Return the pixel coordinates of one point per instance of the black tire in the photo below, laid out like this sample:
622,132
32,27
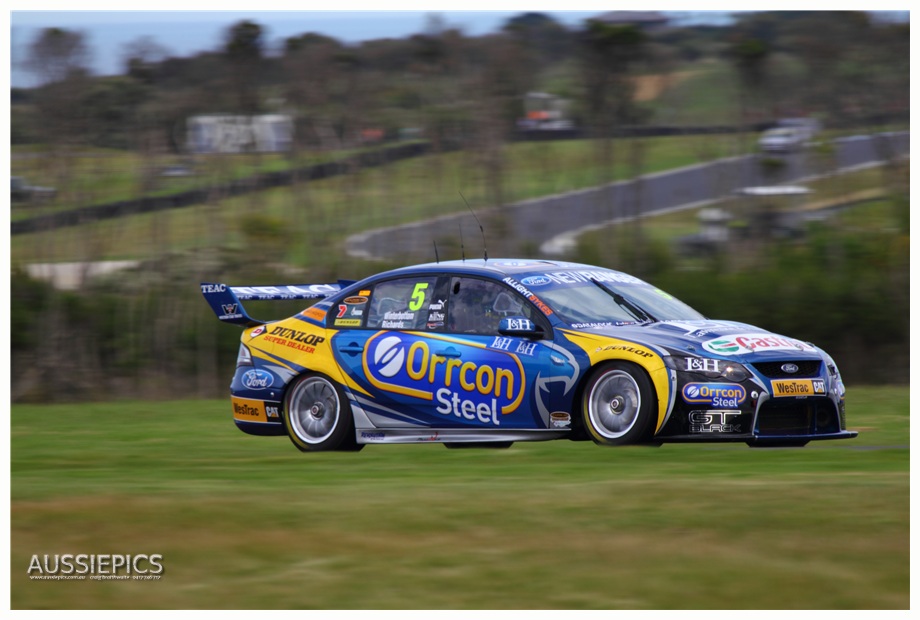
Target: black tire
350,444
619,405
317,415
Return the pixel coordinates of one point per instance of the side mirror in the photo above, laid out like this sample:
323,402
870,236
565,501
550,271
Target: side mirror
519,326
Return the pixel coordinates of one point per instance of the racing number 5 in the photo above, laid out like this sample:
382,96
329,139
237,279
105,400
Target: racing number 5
418,297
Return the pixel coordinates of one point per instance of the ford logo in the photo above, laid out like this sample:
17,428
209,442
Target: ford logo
789,369
257,379
535,281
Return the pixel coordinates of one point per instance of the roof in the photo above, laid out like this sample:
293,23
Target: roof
561,272
492,266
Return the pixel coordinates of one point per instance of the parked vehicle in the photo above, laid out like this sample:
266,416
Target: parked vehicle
782,140
21,191
808,127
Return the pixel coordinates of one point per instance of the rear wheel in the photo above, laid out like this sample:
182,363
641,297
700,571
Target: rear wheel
618,405
317,416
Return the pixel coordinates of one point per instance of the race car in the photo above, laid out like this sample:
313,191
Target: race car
489,352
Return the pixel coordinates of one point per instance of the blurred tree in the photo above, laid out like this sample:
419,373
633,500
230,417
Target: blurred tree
498,94
56,55
112,107
546,39
59,59
855,68
611,54
693,43
309,64
749,56
142,59
436,67
441,80
243,48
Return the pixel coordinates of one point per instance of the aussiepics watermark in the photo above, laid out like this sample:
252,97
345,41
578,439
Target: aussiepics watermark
96,567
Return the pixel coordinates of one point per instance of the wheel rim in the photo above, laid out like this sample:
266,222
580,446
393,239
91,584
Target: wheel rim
614,403
314,410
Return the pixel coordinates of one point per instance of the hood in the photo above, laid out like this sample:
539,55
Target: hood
728,340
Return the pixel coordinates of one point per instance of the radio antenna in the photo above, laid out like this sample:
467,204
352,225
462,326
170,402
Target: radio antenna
437,258
462,252
485,252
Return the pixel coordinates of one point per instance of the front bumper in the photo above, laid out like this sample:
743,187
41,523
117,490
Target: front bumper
774,421
769,408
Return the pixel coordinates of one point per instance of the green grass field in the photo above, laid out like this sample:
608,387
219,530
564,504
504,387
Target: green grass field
250,522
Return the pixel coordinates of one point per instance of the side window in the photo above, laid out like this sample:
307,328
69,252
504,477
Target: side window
350,311
402,304
478,306
437,307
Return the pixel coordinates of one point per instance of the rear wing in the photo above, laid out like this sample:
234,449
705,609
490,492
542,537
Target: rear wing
226,301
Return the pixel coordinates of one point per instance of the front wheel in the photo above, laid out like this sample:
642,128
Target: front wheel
316,414
618,405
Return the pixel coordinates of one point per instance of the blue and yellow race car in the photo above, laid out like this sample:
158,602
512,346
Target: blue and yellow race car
489,352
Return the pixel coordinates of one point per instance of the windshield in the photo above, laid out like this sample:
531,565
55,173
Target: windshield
589,305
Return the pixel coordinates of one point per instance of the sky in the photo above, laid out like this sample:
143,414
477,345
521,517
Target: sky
185,33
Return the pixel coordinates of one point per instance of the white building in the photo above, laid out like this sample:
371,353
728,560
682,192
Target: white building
269,133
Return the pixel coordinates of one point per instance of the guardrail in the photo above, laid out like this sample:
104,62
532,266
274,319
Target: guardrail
147,204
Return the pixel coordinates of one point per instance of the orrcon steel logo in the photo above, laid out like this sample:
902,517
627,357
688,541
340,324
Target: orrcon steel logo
737,344
443,370
728,395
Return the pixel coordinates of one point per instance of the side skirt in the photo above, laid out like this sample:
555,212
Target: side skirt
452,435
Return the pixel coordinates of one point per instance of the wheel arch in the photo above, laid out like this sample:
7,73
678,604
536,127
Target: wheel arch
341,436
601,350
586,379
640,429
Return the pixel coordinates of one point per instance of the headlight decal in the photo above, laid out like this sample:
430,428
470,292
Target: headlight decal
710,368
